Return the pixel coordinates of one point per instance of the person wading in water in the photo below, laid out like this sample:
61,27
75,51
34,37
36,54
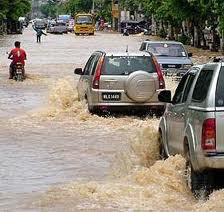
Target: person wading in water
39,33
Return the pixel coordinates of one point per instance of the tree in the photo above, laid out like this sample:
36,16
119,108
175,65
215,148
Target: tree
3,9
17,8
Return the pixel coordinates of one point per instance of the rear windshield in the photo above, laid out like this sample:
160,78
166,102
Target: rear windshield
219,97
167,49
124,65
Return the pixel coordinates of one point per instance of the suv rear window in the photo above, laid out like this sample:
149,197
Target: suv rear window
219,97
202,85
125,65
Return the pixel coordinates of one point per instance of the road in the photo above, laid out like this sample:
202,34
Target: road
55,156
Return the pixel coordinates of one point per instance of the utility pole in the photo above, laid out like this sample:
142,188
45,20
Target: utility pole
93,7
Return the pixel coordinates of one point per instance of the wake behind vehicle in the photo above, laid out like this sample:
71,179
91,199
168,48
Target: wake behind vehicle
173,58
84,24
192,125
121,81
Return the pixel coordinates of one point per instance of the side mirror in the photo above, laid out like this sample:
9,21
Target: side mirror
165,96
190,54
78,71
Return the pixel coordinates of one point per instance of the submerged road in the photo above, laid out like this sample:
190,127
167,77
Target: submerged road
55,156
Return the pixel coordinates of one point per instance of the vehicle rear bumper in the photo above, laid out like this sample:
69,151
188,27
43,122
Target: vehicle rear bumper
127,107
130,104
174,72
212,160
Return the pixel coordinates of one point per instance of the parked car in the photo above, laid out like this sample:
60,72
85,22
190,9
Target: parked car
192,125
58,27
133,27
173,58
121,81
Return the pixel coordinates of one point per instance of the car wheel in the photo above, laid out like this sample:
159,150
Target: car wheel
162,152
77,34
159,112
199,182
91,109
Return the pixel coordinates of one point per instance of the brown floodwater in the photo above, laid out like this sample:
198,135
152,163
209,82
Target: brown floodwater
55,156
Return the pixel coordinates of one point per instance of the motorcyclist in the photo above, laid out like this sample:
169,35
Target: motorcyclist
17,55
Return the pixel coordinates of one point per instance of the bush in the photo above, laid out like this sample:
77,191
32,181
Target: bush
184,39
162,33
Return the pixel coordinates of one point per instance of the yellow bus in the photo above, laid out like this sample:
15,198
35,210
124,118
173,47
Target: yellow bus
84,24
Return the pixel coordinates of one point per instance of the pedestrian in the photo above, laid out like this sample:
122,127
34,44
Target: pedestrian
39,33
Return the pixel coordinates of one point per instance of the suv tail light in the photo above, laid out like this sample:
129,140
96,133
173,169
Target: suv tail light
159,73
209,134
96,79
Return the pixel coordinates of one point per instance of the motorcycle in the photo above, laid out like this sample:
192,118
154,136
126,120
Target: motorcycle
17,72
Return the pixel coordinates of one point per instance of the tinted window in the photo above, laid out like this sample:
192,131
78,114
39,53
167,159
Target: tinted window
143,47
95,64
167,49
124,65
202,85
179,91
219,97
188,86
88,65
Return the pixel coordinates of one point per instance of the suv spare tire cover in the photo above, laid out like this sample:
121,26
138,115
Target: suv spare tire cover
140,86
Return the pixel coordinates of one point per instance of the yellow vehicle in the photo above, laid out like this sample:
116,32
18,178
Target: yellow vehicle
84,24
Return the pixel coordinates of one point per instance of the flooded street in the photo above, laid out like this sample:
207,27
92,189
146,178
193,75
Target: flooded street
55,156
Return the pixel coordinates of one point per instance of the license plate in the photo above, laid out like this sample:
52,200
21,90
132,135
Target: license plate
111,96
19,71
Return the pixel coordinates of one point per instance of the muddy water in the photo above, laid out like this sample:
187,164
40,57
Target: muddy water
55,156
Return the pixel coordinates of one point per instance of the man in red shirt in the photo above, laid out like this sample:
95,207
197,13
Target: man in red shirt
17,55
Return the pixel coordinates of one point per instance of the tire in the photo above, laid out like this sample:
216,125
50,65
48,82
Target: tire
199,182
162,152
91,109
77,34
19,78
159,112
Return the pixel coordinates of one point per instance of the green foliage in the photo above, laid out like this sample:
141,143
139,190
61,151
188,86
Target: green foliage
76,6
3,9
162,33
13,9
184,39
49,9
17,8
103,9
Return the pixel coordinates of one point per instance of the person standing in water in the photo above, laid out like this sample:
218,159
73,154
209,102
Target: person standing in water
39,33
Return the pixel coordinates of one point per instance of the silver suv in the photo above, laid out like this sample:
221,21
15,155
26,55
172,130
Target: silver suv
193,125
121,81
171,55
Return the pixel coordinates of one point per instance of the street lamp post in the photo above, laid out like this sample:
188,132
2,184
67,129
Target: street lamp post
93,7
